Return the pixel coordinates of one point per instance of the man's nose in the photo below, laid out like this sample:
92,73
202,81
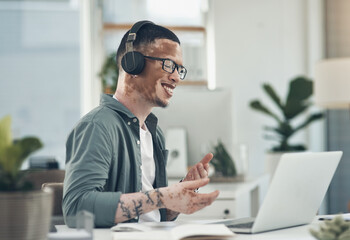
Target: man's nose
175,76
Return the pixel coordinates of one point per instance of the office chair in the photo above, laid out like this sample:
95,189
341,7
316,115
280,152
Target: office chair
57,189
40,176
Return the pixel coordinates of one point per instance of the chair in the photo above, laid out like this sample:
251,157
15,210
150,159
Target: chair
53,179
40,176
57,189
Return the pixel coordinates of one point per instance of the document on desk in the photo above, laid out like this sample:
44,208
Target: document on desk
170,230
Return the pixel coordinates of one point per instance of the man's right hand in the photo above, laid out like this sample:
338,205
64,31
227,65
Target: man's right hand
181,197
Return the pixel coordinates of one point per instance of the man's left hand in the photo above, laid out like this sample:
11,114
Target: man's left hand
200,170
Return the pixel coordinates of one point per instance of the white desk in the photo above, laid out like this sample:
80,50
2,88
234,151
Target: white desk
294,233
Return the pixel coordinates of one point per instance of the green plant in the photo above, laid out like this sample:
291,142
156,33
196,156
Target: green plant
300,90
335,229
109,74
12,155
222,161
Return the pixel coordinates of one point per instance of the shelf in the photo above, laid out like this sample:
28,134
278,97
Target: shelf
114,26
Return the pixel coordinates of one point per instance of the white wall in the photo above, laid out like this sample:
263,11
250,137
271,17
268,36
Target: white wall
255,42
205,115
260,41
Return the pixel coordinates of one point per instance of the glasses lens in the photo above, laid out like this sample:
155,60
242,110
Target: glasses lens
182,72
168,65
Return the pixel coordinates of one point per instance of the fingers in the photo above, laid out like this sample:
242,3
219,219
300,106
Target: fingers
206,167
202,200
195,184
207,158
208,198
198,171
201,171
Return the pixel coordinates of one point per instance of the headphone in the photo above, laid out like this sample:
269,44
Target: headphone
133,62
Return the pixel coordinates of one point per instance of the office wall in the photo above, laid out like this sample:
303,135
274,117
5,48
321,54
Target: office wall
263,41
256,42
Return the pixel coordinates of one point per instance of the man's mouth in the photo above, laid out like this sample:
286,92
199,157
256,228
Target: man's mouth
168,88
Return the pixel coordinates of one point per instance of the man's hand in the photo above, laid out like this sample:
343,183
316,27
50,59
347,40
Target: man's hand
200,170
181,197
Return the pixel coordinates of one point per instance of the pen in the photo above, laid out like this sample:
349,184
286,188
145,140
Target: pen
330,218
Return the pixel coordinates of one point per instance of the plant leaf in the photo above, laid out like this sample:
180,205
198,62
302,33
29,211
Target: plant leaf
5,132
222,160
273,95
310,119
27,146
9,160
300,89
256,105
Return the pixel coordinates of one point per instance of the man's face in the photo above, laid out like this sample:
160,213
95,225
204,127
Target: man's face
154,84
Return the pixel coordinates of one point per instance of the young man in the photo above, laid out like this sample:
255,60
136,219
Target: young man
116,156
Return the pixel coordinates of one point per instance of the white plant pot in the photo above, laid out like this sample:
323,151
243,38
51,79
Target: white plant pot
271,161
25,215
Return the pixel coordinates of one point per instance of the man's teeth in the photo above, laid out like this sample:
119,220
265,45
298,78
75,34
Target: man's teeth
168,89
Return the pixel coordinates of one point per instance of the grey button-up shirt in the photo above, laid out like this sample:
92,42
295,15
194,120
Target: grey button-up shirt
103,161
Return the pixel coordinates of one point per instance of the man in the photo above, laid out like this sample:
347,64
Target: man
116,157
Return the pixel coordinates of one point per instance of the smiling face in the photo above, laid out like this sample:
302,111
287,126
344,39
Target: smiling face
154,85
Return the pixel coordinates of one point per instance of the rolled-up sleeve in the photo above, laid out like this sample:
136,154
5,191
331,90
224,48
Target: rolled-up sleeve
88,160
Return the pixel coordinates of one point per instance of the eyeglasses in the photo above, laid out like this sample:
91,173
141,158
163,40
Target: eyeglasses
169,66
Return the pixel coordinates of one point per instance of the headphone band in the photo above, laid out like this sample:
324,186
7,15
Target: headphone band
133,62
133,34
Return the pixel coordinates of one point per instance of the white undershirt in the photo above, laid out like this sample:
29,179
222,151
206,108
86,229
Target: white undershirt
148,168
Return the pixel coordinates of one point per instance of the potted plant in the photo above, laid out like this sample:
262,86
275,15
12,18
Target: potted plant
296,103
25,213
109,74
225,169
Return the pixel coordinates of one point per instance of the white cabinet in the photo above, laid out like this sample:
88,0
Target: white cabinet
236,200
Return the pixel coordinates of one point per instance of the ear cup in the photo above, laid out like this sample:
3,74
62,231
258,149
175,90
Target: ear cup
133,62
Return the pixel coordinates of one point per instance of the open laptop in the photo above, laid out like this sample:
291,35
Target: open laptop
295,193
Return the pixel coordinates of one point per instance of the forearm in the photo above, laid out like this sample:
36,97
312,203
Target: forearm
133,205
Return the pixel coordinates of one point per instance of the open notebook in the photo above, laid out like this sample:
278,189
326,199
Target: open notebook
170,230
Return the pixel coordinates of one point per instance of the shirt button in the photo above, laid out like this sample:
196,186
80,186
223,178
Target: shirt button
129,123
134,120
138,142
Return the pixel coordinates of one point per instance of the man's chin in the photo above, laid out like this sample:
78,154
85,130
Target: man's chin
160,103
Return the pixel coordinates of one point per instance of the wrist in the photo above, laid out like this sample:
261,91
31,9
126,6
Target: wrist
158,196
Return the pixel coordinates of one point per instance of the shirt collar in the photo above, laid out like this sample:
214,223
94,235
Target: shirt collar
112,103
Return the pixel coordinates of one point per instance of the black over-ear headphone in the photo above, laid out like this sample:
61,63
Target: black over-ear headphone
133,62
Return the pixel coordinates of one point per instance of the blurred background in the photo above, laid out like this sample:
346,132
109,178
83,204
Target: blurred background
52,54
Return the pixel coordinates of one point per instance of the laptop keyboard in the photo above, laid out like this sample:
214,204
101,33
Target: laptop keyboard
241,225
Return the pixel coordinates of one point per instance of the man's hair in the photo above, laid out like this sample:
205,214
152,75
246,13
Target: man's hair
146,35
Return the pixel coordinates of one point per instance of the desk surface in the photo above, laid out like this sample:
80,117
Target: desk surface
300,232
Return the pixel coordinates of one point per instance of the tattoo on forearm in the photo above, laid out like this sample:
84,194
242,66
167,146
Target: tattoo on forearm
149,199
126,210
159,195
138,207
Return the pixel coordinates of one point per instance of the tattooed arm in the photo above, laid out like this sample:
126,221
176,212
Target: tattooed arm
132,205
177,198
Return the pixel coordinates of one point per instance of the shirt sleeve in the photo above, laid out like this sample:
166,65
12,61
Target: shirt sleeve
88,160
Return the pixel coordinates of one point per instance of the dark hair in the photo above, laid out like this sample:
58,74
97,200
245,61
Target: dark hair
146,35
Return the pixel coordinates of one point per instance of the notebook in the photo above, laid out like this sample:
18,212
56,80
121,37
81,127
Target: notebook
295,193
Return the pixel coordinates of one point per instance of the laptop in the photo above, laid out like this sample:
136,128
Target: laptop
295,193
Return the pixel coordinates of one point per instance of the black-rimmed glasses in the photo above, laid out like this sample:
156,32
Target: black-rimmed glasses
169,66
